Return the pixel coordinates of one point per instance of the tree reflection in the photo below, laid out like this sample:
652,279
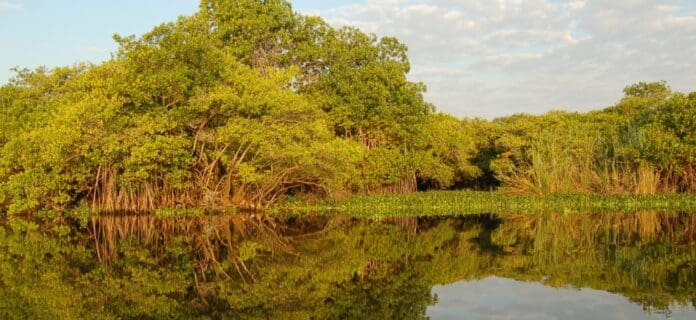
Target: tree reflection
255,266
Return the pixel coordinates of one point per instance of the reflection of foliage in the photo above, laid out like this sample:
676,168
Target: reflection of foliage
331,268
401,294
32,275
647,257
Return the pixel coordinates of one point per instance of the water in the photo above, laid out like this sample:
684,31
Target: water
501,298
488,266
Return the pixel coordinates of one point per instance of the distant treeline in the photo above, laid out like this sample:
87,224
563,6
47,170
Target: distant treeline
246,102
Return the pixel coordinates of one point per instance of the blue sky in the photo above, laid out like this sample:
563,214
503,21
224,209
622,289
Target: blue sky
60,32
483,58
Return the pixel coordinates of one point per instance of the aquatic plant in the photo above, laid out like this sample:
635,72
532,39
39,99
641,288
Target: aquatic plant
474,202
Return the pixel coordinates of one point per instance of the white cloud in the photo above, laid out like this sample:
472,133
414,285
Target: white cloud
491,58
577,5
10,5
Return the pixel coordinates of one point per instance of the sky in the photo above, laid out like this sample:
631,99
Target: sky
500,298
479,58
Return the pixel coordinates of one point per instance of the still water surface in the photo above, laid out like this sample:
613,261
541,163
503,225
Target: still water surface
500,298
488,266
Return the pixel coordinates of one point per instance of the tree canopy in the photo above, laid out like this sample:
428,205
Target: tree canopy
246,102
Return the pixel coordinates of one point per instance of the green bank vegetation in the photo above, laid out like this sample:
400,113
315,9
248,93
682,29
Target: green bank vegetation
257,267
455,203
247,102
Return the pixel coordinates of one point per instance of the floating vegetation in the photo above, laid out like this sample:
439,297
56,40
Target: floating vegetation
437,203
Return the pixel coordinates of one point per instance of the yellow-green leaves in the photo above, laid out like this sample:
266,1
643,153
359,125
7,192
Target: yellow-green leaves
246,102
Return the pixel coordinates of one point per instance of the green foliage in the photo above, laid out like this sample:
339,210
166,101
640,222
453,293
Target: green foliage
238,105
448,152
246,102
653,90
641,146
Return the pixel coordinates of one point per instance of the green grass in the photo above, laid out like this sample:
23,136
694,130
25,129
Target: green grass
471,202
